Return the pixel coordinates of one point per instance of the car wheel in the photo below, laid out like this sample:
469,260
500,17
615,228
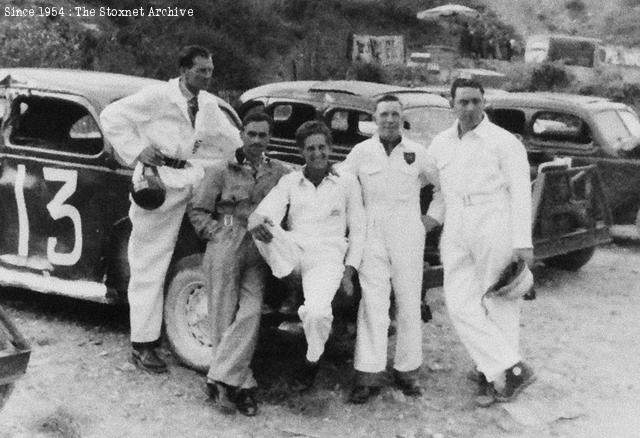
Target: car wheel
571,261
186,314
5,392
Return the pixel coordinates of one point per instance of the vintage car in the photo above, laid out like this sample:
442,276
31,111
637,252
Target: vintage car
64,198
587,130
571,215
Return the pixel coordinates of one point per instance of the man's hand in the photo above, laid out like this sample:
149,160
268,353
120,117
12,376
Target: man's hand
347,280
429,223
525,254
261,232
151,156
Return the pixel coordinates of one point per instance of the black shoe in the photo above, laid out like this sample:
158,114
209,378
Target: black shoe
246,403
409,388
361,394
305,377
223,396
145,358
517,378
486,394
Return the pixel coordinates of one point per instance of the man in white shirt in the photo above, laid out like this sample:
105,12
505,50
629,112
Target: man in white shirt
392,169
325,238
484,199
164,126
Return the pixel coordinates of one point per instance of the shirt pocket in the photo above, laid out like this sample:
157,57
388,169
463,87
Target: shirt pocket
371,178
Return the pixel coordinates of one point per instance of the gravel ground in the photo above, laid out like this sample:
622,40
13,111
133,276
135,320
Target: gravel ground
581,335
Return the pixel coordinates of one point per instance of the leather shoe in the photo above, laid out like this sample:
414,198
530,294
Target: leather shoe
146,359
361,394
517,378
246,403
486,395
223,396
305,377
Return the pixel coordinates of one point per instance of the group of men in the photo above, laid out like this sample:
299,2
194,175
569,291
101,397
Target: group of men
360,216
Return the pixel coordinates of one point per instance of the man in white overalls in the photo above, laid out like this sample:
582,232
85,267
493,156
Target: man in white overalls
392,169
164,125
484,201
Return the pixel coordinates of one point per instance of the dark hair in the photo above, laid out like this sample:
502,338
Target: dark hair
312,127
257,116
189,53
465,83
388,98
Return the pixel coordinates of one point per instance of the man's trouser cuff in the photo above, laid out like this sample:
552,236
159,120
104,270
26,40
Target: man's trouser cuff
152,344
407,377
363,378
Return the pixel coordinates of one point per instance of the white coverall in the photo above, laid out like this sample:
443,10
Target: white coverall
485,203
316,243
393,256
158,115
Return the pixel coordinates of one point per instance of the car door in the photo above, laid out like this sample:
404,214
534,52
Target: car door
287,116
61,190
349,126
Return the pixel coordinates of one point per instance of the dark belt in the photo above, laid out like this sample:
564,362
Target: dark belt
175,163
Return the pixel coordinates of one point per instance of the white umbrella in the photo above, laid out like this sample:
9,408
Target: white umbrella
449,10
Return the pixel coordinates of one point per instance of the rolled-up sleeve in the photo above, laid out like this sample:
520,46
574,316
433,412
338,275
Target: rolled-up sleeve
356,221
437,207
202,208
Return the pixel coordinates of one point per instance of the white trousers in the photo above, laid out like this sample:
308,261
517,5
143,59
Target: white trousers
153,239
475,248
393,257
321,265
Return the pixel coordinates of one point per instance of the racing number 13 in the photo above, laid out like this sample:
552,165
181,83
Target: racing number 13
57,209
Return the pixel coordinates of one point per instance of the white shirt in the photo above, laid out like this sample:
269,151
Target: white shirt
158,115
390,183
486,162
323,213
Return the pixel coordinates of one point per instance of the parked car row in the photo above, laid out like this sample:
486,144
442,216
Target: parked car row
64,193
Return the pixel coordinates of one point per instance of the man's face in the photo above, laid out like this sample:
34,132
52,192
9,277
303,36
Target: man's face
388,117
468,105
316,152
255,138
197,77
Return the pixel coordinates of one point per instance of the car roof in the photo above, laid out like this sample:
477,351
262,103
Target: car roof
355,93
554,100
100,88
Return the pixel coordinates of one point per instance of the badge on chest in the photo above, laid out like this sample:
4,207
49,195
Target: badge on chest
409,157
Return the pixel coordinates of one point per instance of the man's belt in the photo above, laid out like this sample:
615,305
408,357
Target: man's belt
174,162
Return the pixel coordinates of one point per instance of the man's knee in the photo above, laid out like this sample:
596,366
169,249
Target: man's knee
316,315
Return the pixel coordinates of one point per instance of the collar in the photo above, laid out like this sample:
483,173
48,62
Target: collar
240,160
329,175
482,129
378,140
188,95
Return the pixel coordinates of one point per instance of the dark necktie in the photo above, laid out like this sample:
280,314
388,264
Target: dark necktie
193,109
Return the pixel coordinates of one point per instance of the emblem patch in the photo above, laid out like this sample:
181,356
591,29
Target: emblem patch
409,157
335,212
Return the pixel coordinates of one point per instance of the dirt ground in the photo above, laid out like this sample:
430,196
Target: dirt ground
581,335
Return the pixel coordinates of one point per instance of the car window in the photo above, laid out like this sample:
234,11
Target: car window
424,123
53,124
612,127
287,117
512,120
631,121
347,126
560,127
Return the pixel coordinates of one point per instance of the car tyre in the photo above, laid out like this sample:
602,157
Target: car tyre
571,261
186,314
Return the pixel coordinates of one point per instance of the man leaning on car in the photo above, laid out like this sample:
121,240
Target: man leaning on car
162,126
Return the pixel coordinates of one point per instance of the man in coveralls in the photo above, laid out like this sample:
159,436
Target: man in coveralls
235,272
157,127
392,170
324,208
485,203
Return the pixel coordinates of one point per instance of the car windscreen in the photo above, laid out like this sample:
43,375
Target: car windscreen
614,128
423,123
